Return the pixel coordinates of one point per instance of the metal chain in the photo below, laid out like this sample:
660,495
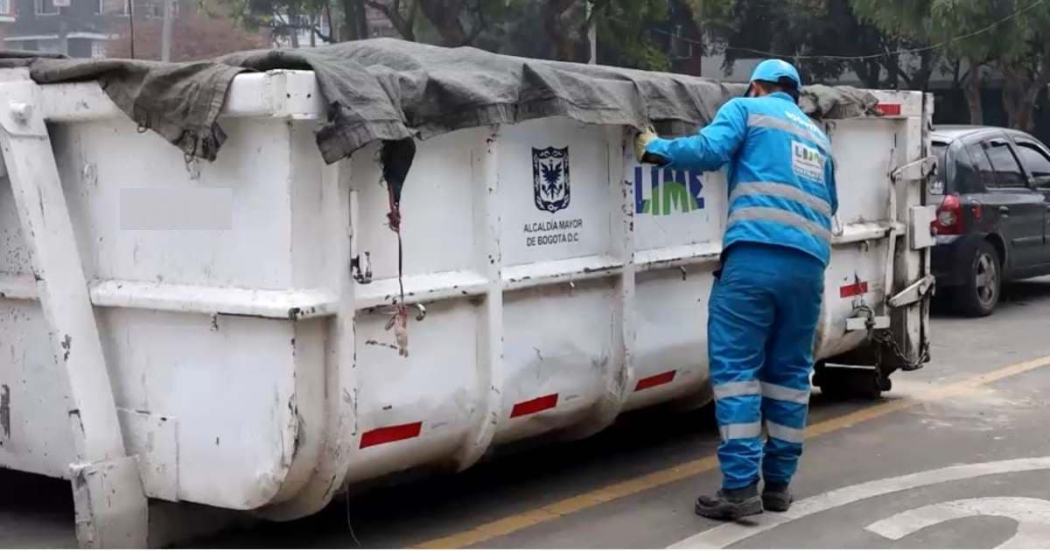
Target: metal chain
886,338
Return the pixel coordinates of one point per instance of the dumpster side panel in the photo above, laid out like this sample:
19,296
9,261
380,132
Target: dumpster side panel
670,358
556,193
558,348
865,153
35,433
414,410
436,208
144,214
231,390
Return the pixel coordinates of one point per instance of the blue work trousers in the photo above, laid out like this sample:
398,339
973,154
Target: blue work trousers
764,310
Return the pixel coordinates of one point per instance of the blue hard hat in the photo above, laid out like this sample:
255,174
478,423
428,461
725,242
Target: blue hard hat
777,70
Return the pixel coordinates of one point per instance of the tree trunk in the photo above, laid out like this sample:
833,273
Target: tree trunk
1021,90
868,71
893,73
558,34
405,26
973,94
921,80
1019,99
445,16
355,24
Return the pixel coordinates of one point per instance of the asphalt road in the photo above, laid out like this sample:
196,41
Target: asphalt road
957,455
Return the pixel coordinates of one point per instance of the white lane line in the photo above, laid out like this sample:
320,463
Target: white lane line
731,533
1032,516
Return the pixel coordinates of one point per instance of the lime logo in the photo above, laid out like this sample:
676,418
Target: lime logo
664,192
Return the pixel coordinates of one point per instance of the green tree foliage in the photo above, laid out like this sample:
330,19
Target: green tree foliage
825,38
1011,36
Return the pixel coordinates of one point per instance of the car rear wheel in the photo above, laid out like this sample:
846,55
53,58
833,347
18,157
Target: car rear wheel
980,295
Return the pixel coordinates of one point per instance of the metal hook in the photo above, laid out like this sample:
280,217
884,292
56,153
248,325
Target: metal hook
684,273
422,312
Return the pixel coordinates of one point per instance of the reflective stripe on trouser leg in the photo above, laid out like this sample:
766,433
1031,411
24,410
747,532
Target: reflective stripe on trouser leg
741,312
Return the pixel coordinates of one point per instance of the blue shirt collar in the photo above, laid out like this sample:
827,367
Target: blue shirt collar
782,95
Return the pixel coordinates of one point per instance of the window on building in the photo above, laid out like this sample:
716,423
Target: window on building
46,7
98,49
5,7
49,47
113,7
155,9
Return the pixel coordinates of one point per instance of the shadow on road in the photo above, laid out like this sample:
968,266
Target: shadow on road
1014,295
517,480
35,494
403,511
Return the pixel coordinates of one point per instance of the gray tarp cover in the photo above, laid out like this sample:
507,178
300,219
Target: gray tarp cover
388,89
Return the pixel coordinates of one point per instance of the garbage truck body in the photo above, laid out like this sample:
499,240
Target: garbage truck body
220,333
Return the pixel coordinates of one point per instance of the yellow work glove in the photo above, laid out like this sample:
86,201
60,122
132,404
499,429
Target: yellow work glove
642,141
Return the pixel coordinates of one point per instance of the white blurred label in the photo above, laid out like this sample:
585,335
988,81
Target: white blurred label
207,209
807,162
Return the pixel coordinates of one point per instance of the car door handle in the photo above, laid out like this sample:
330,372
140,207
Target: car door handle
1005,211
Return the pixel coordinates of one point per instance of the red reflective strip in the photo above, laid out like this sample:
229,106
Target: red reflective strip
534,406
890,109
655,380
386,435
857,289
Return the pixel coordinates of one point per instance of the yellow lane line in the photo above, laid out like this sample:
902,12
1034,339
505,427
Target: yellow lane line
553,511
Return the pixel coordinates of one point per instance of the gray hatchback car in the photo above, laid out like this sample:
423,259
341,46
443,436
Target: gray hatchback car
992,192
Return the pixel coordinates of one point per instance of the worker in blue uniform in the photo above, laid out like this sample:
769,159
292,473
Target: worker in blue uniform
766,301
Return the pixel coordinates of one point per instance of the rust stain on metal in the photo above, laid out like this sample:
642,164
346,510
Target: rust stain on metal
80,421
5,412
381,344
67,344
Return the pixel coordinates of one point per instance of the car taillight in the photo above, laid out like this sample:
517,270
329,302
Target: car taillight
949,216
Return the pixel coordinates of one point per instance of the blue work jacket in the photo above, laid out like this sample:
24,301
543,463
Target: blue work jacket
781,173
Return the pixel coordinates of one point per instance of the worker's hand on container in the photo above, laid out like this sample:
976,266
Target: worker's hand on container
642,141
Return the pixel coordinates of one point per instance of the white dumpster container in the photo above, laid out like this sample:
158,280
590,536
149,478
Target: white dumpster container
562,283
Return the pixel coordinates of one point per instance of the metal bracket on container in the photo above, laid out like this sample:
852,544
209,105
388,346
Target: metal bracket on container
864,319
913,293
916,170
361,268
110,505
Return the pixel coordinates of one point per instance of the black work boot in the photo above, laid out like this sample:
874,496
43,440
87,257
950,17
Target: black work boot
730,504
776,497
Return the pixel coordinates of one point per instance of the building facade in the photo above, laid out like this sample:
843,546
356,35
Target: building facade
78,28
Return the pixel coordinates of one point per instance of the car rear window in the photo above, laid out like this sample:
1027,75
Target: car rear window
981,164
937,184
1037,162
966,177
1008,171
